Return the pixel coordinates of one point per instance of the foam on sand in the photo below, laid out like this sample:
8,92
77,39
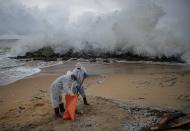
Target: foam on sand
14,74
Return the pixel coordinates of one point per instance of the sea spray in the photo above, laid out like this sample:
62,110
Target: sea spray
147,27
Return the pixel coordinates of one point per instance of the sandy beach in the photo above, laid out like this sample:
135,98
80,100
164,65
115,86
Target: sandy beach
113,91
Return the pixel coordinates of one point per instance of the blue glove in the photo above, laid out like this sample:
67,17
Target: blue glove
78,88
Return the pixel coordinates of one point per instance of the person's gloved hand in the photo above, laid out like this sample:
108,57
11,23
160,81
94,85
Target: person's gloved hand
78,88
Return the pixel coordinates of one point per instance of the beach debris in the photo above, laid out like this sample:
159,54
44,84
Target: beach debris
171,121
99,81
185,98
154,119
141,98
43,91
39,104
181,122
36,97
21,108
87,124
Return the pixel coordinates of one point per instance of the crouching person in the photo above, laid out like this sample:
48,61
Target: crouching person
63,84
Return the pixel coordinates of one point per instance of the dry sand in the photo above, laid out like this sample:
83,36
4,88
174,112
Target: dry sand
113,92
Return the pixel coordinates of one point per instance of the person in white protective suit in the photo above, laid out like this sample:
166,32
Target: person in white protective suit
80,72
63,84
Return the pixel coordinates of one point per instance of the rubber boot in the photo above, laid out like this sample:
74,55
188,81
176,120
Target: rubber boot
57,112
61,107
85,101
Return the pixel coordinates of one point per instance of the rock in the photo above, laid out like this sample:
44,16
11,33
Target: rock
47,53
106,61
92,60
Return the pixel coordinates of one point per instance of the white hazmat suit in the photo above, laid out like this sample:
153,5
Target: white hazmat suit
80,72
63,84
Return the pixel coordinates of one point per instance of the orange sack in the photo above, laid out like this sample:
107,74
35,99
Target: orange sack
71,103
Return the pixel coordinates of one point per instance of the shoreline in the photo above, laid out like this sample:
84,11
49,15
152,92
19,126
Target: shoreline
98,61
26,70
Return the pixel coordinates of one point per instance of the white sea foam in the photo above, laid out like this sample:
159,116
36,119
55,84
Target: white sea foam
143,27
14,74
151,62
12,70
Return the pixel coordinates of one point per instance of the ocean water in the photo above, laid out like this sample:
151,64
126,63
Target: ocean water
12,70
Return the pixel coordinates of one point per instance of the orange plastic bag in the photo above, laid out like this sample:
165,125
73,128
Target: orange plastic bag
70,111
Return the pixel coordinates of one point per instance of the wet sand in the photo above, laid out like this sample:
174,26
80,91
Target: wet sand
25,104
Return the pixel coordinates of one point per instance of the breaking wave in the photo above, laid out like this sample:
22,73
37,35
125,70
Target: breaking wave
146,28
